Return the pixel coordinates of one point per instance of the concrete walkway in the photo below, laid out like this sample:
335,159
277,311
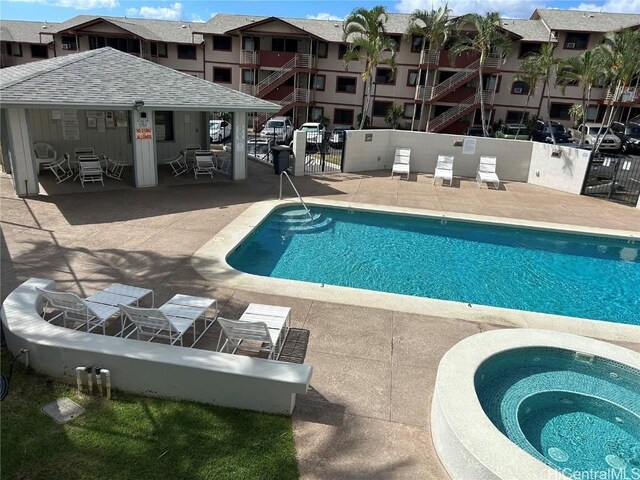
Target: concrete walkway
367,415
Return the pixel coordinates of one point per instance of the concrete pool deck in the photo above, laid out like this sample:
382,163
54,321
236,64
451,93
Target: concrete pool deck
367,414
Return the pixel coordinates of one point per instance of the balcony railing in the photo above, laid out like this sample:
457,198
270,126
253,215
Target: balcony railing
248,89
250,57
432,58
626,95
300,60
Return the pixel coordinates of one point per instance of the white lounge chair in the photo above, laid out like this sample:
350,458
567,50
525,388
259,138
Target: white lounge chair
401,162
171,320
90,169
44,153
190,155
60,168
204,164
75,309
265,326
444,169
177,164
113,168
487,172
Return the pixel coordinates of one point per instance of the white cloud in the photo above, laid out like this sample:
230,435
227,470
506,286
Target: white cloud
628,6
173,12
324,16
507,8
75,4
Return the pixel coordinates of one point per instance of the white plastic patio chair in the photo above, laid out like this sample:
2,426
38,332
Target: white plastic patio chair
73,308
153,323
444,169
190,155
401,162
113,168
487,172
204,163
177,164
90,169
262,338
60,168
44,153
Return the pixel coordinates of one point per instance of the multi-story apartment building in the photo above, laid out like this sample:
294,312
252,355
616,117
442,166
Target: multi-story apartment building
298,63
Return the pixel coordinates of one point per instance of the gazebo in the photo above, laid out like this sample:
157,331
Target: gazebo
132,109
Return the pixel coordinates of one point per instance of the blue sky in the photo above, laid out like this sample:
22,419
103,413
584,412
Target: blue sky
59,10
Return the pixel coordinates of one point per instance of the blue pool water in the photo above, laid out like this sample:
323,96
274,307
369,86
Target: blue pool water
523,269
577,413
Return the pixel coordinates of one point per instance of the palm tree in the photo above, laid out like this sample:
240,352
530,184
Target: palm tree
489,37
621,63
587,70
545,65
528,74
365,32
435,29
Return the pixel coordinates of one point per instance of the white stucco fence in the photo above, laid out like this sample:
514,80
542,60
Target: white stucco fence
148,368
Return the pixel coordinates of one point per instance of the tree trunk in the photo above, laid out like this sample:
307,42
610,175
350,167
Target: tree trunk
524,112
480,89
365,108
553,137
422,103
433,85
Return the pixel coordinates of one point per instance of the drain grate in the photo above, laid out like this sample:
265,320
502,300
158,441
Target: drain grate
63,410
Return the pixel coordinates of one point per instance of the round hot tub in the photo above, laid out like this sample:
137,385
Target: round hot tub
537,404
573,411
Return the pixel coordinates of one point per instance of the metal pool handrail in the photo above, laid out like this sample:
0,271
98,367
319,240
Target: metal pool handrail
295,190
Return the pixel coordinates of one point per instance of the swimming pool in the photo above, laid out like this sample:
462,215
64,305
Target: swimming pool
573,411
516,268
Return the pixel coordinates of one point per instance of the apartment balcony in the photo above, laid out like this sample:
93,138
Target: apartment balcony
430,60
622,96
249,57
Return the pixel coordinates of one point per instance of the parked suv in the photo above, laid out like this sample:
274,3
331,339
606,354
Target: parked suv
629,135
590,132
541,132
513,131
279,129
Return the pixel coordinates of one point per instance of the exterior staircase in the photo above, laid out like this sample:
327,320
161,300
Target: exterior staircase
457,111
278,77
433,94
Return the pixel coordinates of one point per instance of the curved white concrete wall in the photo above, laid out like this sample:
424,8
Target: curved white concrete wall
147,368
467,442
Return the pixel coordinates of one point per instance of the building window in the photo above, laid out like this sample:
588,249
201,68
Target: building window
516,116
127,45
279,44
520,88
412,78
560,111
69,42
247,76
14,49
221,75
158,49
346,84
592,113
39,51
318,82
164,126
529,48
342,49
416,43
320,49
222,42
342,116
385,76
187,52
396,39
576,41
315,113
380,108
409,108
251,43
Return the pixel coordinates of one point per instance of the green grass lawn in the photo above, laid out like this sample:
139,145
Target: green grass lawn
133,437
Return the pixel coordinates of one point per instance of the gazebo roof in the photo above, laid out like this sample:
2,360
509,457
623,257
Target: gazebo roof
108,78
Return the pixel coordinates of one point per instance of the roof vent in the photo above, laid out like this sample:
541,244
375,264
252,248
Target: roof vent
184,26
44,26
337,25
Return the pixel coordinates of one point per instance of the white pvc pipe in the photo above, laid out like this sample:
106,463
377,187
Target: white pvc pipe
79,370
90,380
99,380
107,376
26,356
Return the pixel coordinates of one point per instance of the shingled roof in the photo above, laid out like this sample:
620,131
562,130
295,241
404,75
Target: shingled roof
112,79
529,30
155,30
579,21
27,32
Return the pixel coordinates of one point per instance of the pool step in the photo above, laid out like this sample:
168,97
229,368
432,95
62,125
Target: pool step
298,221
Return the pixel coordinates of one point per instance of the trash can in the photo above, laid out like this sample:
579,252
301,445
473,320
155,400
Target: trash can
280,154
